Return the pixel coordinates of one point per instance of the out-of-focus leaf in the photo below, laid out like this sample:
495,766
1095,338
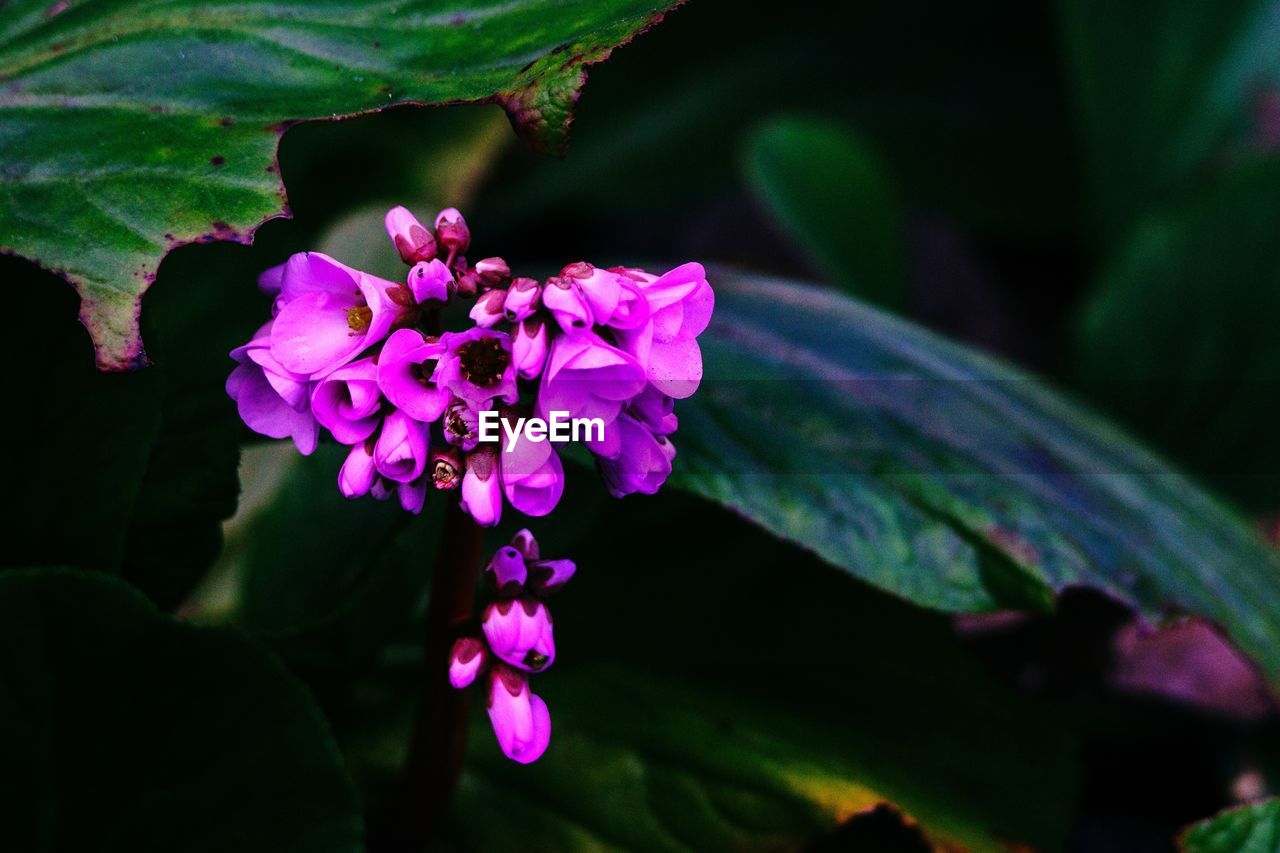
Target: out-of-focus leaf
1179,339
130,128
947,477
717,689
1248,829
1164,90
124,730
831,194
965,103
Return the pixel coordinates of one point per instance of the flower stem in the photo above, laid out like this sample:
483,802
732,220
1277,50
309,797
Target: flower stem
439,736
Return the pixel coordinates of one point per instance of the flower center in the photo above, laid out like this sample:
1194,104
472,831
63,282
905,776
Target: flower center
535,660
423,372
454,423
359,318
482,362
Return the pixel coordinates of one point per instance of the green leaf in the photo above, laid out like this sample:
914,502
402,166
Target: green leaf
129,129
947,477
1179,337
829,191
1248,829
1164,90
124,730
715,688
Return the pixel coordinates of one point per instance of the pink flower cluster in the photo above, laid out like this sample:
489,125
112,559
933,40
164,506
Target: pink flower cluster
364,359
516,640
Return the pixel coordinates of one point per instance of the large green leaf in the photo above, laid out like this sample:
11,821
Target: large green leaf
1179,339
948,478
129,128
1164,90
715,688
831,194
1248,829
124,730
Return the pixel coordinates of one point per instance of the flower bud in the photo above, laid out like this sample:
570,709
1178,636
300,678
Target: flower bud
523,298
482,487
547,576
465,661
520,719
413,241
506,571
488,308
401,450
468,284
529,348
492,271
413,495
563,298
524,542
430,281
452,230
446,468
519,632
358,473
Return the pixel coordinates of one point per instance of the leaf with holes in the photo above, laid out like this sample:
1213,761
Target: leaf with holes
947,477
129,128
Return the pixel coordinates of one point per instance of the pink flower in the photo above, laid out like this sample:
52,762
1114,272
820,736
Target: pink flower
532,477
272,400
588,378
452,231
642,464
405,367
655,410
413,241
488,308
465,661
520,719
482,487
507,571
476,366
680,304
461,426
347,402
401,450
329,313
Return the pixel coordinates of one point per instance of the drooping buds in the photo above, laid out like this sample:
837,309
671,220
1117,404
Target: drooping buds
358,473
523,298
466,660
520,719
529,348
452,230
506,571
488,308
519,632
547,576
482,487
430,281
412,240
493,272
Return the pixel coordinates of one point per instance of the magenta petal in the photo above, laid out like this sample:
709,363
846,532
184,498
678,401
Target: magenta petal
266,413
643,466
347,402
316,272
405,357
465,661
312,334
358,472
413,496
401,449
481,496
520,632
507,569
546,576
537,492
675,368
521,721
429,282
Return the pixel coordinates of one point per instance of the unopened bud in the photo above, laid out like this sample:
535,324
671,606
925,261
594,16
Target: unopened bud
465,661
493,271
452,230
523,298
413,241
488,308
446,468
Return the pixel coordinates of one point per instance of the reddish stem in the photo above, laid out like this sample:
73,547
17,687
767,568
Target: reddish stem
439,737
